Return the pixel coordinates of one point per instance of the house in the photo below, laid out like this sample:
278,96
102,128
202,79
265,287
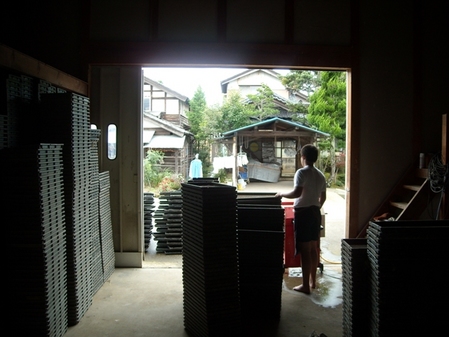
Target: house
165,103
174,141
270,146
247,83
165,125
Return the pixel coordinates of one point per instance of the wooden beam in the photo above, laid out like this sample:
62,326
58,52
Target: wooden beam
200,54
444,141
13,59
234,167
444,210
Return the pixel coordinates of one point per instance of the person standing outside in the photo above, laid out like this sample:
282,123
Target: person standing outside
309,191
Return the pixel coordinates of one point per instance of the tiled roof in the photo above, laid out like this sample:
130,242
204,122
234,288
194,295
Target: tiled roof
278,120
169,91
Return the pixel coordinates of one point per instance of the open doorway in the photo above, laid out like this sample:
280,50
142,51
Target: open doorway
169,90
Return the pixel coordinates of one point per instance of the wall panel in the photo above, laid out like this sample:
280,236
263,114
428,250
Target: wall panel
118,100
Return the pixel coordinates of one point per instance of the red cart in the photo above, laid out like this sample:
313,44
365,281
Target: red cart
290,260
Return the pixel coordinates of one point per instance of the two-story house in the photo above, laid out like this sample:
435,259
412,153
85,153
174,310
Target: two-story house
247,82
166,127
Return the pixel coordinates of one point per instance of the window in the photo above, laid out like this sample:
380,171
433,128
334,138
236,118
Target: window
146,104
112,141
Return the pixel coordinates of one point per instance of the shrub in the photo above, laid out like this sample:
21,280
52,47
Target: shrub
170,182
221,175
340,180
152,172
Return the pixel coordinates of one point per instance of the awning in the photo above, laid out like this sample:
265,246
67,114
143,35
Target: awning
147,136
166,142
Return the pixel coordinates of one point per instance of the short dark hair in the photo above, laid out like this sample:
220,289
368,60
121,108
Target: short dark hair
310,152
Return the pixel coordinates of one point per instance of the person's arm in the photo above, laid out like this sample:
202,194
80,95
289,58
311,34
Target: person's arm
323,197
295,193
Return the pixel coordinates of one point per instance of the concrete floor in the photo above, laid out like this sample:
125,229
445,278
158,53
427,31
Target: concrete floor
148,301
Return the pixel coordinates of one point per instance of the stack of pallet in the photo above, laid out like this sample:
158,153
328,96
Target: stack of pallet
168,223
260,228
210,266
397,253
148,210
71,114
356,281
94,218
32,203
106,235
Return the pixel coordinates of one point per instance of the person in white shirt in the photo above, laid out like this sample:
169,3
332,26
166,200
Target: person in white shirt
309,191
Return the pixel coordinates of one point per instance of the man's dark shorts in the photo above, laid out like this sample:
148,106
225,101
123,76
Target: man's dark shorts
307,224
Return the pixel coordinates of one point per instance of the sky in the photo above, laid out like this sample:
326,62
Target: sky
186,81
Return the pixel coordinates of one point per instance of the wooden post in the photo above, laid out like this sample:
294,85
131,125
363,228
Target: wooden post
234,152
444,159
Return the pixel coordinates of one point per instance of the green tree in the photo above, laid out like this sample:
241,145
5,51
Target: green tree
234,114
327,112
196,116
300,81
262,104
200,128
299,111
212,119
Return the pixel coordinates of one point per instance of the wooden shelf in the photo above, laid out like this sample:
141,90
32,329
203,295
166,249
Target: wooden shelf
408,199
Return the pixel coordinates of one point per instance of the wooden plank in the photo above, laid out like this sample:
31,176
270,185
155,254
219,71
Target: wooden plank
444,141
158,53
412,187
27,65
401,205
444,210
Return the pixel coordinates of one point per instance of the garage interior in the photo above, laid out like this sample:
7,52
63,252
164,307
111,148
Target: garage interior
392,52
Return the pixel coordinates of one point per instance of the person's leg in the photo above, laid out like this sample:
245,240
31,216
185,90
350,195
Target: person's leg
314,245
313,263
305,249
306,234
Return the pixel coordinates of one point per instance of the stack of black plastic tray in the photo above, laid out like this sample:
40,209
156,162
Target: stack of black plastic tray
356,292
407,293
94,218
9,125
32,206
45,87
200,181
20,118
160,224
257,198
4,132
8,133
106,235
168,223
210,268
148,209
64,119
260,252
